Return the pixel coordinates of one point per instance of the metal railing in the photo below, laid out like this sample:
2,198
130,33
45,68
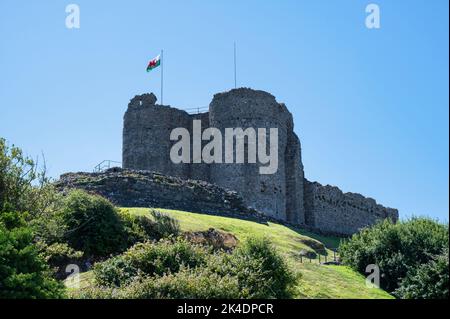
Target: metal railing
104,165
197,110
320,258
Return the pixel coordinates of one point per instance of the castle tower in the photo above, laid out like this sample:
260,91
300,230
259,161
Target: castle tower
279,195
146,136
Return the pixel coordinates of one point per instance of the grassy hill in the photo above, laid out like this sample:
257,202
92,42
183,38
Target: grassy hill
318,281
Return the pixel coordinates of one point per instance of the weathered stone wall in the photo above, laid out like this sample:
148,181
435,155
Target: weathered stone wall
245,108
332,211
295,206
146,136
146,146
133,188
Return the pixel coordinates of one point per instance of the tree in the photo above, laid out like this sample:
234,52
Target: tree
428,281
397,248
23,272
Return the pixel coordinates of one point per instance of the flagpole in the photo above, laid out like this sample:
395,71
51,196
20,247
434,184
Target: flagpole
162,76
234,64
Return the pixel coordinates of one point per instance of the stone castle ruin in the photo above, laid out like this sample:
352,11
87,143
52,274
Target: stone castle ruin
285,195
154,180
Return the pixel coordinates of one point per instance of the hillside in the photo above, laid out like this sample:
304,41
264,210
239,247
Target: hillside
318,281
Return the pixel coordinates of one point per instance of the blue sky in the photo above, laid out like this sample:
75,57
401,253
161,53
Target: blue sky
370,106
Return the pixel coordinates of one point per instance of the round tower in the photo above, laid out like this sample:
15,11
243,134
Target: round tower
246,108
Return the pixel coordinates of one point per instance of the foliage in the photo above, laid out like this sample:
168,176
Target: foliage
59,255
23,272
93,224
142,228
150,258
428,281
171,269
17,172
165,225
200,283
261,272
11,220
396,248
24,187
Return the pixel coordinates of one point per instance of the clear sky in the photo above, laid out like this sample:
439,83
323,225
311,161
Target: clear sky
370,106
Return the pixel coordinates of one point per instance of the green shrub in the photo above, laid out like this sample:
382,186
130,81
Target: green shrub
115,272
198,283
395,248
428,281
92,224
141,228
188,283
179,269
165,226
23,272
58,256
150,258
49,226
12,220
261,272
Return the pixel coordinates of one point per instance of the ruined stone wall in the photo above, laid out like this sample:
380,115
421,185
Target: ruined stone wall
146,136
294,175
199,170
132,188
146,146
329,209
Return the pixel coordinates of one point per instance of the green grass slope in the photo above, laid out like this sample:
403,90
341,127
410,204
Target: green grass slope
317,281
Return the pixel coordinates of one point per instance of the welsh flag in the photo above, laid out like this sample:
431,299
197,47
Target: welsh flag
154,63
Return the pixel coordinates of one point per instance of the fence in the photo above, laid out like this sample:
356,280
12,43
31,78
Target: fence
197,110
104,165
320,258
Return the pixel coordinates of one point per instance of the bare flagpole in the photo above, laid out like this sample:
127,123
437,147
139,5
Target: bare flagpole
234,64
162,76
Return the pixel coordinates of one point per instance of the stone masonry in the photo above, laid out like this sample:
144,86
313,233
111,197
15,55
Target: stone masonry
146,146
285,195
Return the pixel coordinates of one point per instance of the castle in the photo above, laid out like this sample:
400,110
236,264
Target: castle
285,195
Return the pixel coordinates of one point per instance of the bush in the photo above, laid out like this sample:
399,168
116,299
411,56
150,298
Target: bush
93,224
395,248
428,281
23,272
188,283
261,272
58,256
150,258
199,283
11,220
141,228
179,269
165,226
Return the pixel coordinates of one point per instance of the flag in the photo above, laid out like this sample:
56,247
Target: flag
154,63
